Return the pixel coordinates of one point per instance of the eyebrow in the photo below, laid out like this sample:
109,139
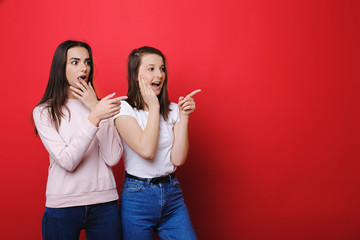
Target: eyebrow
74,58
152,64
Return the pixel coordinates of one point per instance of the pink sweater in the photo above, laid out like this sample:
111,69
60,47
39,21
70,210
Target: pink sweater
81,156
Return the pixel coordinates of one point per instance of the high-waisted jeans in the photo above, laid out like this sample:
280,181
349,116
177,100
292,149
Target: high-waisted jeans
147,208
100,221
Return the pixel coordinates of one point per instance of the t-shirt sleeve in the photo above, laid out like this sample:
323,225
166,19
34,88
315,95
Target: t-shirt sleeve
126,110
174,116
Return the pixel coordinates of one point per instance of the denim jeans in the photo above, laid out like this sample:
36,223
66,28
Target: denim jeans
100,221
147,208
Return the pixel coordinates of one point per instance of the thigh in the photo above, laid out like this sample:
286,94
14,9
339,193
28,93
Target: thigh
140,209
178,226
176,223
62,223
103,222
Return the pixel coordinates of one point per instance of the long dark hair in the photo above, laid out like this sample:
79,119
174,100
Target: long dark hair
56,92
135,98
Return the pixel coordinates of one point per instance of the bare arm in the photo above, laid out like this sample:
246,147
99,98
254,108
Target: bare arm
180,147
143,142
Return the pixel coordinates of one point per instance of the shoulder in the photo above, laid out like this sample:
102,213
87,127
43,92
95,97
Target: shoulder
126,107
41,115
40,111
125,104
125,110
174,106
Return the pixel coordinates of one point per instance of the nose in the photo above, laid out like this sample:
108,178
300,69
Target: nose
159,74
83,67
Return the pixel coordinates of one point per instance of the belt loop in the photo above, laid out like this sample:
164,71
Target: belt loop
170,178
124,175
148,181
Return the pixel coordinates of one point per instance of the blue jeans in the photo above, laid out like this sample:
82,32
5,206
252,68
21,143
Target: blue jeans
100,221
147,208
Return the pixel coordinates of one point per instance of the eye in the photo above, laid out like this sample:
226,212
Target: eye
151,69
74,62
162,69
88,63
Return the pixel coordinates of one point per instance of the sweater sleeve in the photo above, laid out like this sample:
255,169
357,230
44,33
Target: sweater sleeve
110,146
69,155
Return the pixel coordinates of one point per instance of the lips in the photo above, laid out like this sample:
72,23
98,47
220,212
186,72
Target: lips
156,84
82,77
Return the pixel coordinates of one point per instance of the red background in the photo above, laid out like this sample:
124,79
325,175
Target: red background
275,137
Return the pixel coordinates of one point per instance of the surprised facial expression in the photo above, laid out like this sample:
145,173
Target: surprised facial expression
152,67
77,65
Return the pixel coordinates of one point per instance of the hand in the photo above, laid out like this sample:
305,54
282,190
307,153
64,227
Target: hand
105,108
85,93
187,104
148,93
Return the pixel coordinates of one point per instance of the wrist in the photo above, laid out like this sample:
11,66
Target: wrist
93,104
94,119
184,117
155,107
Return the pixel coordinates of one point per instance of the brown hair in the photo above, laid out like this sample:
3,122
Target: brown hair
56,92
134,96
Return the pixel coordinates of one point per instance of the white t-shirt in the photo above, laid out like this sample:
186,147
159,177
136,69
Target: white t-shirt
161,164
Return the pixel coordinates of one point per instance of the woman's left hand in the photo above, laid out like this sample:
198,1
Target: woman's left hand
85,93
187,104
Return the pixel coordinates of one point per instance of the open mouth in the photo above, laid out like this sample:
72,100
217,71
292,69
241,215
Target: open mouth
156,84
83,77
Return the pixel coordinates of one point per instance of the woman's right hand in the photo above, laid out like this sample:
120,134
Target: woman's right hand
85,93
148,94
105,108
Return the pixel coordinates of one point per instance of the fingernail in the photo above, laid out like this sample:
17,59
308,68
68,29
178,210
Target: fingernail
73,80
126,97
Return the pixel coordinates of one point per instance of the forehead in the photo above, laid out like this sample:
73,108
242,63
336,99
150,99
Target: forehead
77,52
152,59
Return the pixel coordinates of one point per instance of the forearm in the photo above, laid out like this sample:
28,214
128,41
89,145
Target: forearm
180,147
149,137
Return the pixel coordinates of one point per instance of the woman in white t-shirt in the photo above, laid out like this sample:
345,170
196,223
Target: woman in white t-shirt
154,132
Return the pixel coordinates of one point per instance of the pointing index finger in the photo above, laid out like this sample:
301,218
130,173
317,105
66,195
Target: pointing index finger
193,93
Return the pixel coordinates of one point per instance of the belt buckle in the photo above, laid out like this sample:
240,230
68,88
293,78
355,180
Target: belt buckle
163,179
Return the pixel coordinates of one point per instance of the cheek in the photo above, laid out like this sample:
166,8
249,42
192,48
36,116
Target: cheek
69,72
149,77
69,77
71,83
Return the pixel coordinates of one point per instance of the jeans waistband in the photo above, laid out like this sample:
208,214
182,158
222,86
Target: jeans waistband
155,180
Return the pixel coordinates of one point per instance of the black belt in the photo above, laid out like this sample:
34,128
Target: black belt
155,180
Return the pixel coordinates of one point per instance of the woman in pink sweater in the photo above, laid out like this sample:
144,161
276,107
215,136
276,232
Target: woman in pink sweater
83,145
